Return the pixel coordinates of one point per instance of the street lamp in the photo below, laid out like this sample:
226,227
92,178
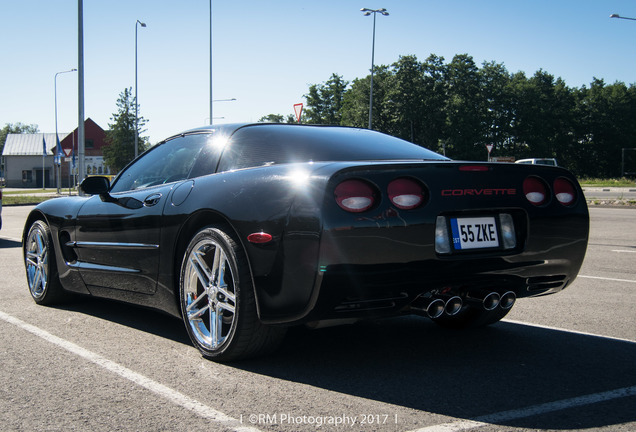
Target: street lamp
217,118
367,12
136,99
615,15
57,138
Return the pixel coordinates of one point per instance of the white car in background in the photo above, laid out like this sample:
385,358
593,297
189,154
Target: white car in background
538,161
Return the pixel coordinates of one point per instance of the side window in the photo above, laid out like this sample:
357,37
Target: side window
246,150
167,162
208,159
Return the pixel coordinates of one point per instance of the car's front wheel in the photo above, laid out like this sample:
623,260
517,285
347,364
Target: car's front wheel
41,269
217,299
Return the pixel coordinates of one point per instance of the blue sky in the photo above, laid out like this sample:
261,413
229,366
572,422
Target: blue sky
267,53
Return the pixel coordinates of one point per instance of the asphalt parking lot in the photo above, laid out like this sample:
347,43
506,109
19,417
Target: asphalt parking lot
561,362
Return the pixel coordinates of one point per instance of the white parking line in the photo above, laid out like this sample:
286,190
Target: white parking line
569,331
530,411
540,409
607,279
623,251
172,395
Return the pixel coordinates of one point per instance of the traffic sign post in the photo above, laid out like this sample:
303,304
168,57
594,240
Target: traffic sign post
298,109
489,148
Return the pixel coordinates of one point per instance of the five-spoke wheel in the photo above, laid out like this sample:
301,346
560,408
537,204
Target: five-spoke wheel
41,271
217,299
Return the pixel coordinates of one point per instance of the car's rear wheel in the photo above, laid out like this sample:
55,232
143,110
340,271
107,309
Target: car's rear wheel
217,299
41,269
471,316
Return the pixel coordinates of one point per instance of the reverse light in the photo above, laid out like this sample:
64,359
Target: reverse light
535,190
564,191
442,244
406,193
507,231
355,195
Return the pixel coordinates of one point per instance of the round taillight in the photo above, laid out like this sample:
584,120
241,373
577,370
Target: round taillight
406,193
535,191
354,195
564,191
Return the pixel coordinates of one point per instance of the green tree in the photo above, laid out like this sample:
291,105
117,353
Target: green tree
543,115
433,116
277,118
464,110
271,118
324,101
121,134
497,115
15,128
606,124
405,98
355,102
456,108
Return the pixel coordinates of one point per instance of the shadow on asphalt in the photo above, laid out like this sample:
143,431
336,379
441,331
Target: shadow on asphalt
411,362
7,244
137,317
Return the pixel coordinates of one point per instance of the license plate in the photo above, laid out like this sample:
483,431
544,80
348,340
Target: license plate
474,233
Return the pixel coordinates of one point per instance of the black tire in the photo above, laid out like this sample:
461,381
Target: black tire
217,299
41,267
471,316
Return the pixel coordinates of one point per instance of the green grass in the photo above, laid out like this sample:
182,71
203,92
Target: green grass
12,199
616,182
27,191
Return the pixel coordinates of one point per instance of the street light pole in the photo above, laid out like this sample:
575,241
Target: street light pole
57,138
367,12
136,99
207,119
81,133
211,101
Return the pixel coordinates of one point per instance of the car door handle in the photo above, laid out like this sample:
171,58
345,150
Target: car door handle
152,199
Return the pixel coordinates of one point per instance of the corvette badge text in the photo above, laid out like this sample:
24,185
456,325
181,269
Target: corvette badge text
478,192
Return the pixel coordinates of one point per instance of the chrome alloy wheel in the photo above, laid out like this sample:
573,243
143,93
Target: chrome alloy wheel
37,260
209,294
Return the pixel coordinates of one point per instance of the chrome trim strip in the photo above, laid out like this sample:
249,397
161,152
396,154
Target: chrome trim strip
109,245
88,266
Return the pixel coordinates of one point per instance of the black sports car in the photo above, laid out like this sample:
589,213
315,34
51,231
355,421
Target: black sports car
244,230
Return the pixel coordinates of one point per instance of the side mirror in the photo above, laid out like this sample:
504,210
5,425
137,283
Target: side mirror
95,185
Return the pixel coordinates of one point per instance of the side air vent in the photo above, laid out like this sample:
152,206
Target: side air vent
543,283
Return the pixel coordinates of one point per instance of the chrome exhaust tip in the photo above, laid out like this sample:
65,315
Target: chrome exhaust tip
491,301
488,299
435,308
507,300
432,307
453,305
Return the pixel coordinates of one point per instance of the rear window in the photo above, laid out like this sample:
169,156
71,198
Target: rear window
258,145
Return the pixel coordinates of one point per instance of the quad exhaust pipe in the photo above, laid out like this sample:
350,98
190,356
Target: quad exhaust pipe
488,299
507,300
436,306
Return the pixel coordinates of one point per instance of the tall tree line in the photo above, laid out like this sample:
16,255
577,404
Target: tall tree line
457,108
